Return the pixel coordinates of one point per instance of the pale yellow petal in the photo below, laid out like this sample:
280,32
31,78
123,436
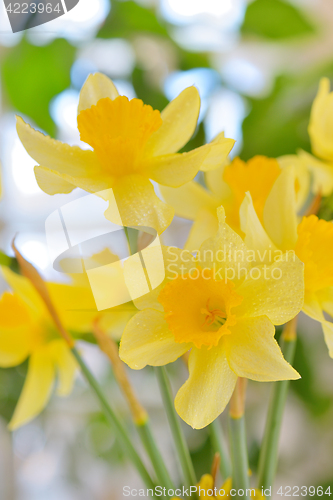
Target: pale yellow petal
177,169
52,182
139,205
302,175
208,389
322,173
26,291
147,340
321,123
97,86
16,330
226,252
276,291
328,336
190,199
256,237
216,184
280,219
65,364
220,148
205,226
37,388
70,161
75,305
314,303
179,122
253,352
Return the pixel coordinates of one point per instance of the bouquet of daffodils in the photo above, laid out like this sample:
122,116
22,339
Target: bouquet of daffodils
256,255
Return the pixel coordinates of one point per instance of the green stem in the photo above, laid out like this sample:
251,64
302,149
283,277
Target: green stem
240,464
219,445
174,422
269,450
149,442
132,239
113,419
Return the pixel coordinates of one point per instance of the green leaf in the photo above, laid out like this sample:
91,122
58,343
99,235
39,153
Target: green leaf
127,18
275,19
33,75
10,262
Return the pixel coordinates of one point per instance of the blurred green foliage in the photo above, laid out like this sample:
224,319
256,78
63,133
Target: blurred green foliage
275,19
33,75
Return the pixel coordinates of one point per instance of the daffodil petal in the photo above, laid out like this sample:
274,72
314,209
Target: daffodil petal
226,252
66,366
189,200
75,305
51,182
314,303
256,237
55,155
220,148
277,291
322,173
37,388
25,290
216,184
97,86
208,389
15,330
302,174
253,352
147,340
177,169
328,336
205,226
179,122
280,218
138,204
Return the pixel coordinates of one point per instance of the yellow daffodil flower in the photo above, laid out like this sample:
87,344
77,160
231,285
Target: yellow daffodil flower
131,144
227,186
27,331
206,487
321,135
221,309
311,241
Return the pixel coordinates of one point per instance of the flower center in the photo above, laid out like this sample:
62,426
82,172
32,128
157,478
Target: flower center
199,310
215,317
118,131
257,176
314,248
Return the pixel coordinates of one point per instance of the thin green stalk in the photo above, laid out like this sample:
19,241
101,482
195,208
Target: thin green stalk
219,445
149,443
240,464
239,458
177,433
269,450
113,419
132,239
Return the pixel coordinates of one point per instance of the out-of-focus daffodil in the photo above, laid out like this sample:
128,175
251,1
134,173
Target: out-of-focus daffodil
321,135
206,487
311,241
227,186
131,145
221,310
27,331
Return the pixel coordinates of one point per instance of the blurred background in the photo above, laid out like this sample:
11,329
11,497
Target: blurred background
257,66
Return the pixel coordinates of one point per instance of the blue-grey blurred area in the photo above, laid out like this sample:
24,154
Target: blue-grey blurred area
257,66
